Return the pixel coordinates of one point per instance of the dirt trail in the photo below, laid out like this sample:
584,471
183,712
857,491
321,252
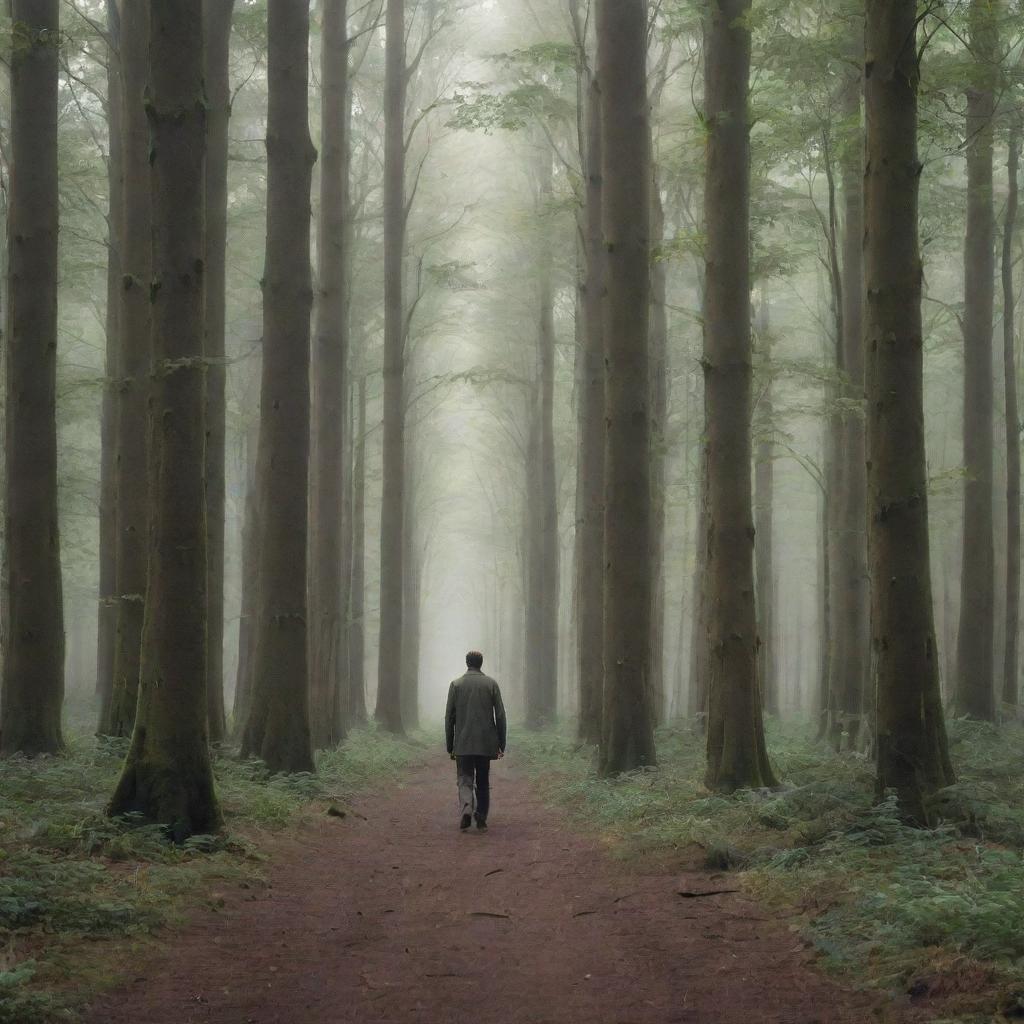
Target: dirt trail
400,918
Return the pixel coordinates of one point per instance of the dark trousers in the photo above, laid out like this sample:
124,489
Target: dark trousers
474,773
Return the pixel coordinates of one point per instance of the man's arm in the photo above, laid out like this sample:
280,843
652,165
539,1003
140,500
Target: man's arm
499,718
449,720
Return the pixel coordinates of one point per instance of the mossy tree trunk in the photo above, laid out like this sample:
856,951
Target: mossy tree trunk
33,663
737,757
627,740
277,728
167,776
911,748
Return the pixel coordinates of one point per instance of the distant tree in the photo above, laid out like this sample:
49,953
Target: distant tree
218,92
33,663
911,748
975,692
627,740
737,757
328,590
118,716
277,728
167,776
357,614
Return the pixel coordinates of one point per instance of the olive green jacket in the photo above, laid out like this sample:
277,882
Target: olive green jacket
474,720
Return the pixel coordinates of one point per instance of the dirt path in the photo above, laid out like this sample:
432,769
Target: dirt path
402,919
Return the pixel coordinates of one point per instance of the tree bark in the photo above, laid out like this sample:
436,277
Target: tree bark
218,91
278,723
167,777
106,619
660,376
327,588
975,694
627,740
132,416
764,508
392,589
590,518
33,664
737,757
1011,657
911,749
848,668
357,630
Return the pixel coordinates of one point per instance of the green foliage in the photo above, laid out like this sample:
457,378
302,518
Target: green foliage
876,898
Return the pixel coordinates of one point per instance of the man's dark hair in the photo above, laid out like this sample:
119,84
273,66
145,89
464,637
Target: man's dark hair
475,660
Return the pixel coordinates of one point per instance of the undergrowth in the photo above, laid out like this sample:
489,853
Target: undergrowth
916,912
78,889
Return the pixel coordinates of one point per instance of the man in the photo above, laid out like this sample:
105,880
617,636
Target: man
475,731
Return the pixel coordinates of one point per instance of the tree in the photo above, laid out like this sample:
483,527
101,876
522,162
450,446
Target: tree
328,591
911,749
392,590
106,618
277,729
627,740
851,635
357,604
975,693
737,757
118,716
218,91
591,429
167,776
1011,656
33,663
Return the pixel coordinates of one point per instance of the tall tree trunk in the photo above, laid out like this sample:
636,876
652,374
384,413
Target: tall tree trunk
411,621
167,776
357,641
849,668
218,91
591,429
389,665
250,589
106,619
33,664
132,418
327,588
543,599
627,740
764,509
1011,658
660,376
737,757
277,729
533,554
911,750
697,699
975,654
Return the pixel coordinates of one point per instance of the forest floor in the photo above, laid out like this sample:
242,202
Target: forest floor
392,914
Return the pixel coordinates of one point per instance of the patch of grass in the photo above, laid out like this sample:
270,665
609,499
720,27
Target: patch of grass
931,911
79,889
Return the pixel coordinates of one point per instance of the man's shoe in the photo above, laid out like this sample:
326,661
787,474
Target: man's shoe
467,820
481,824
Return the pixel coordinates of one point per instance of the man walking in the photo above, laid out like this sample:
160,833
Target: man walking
475,731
